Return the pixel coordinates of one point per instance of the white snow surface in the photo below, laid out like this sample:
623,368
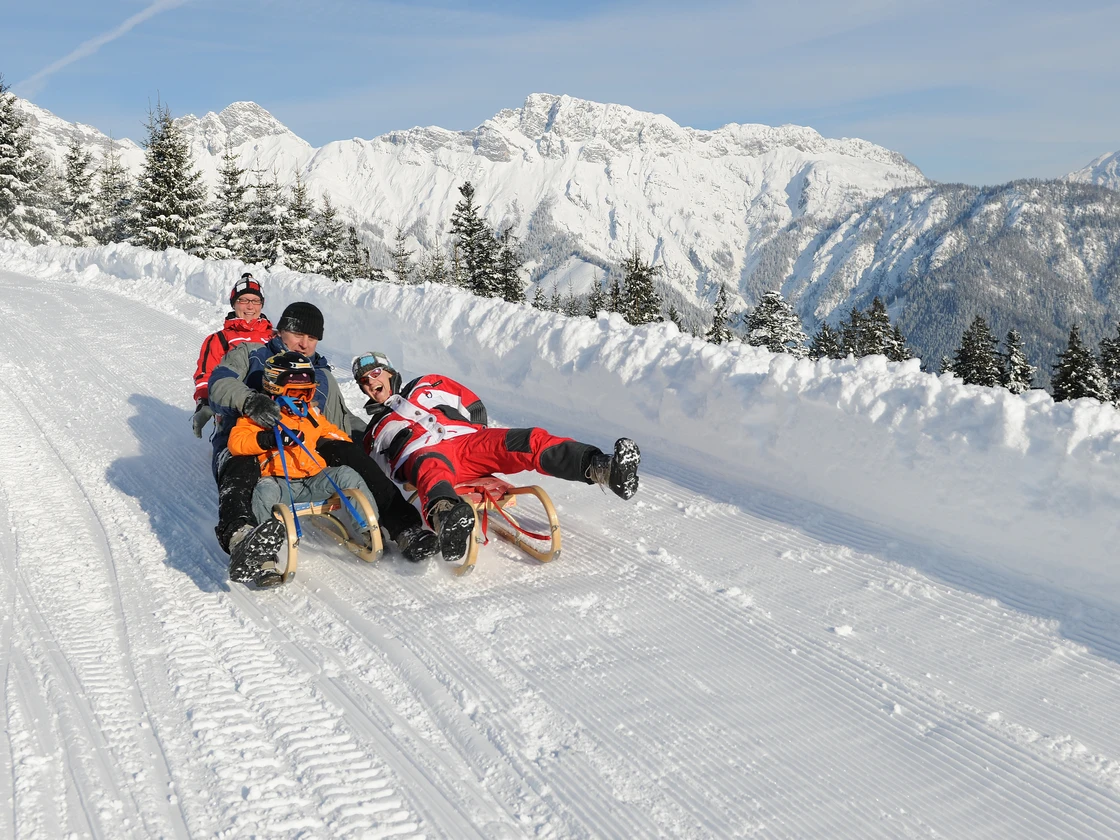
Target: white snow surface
1103,171
850,600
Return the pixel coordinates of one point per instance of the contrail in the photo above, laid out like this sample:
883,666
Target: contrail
31,86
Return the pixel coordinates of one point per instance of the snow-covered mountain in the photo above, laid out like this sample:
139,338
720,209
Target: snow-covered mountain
582,182
1104,172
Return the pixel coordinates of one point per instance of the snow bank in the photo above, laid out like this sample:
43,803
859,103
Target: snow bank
1019,483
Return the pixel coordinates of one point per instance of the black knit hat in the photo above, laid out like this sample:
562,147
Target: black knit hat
302,317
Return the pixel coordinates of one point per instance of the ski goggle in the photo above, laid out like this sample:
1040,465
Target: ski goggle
372,374
372,359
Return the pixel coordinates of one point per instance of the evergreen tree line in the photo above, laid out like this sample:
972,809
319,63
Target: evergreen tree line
166,205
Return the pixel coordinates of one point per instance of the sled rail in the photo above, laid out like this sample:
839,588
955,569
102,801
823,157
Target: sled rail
324,516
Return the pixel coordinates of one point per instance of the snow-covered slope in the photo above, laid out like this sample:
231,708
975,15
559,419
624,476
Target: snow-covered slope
577,177
851,600
1104,172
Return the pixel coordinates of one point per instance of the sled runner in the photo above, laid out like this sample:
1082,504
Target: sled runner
492,499
366,543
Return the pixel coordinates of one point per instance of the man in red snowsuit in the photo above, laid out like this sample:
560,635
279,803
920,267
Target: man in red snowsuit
245,323
432,433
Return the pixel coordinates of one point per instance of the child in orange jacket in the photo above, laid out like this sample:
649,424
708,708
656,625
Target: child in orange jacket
290,379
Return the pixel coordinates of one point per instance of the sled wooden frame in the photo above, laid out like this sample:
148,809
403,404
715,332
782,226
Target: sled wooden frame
323,516
491,498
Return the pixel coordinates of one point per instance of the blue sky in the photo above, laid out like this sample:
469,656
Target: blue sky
980,92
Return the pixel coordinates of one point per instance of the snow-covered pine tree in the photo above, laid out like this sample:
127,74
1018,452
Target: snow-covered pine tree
433,266
976,360
641,304
114,198
170,209
328,242
879,333
596,300
300,251
355,255
897,351
26,211
946,366
774,325
555,302
1018,373
615,298
81,217
1109,358
539,300
1077,374
401,258
510,286
720,332
826,343
230,238
268,225
854,334
573,304
475,244
673,315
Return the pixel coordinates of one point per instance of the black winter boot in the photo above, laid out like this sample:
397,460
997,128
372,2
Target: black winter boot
454,522
619,472
252,556
417,543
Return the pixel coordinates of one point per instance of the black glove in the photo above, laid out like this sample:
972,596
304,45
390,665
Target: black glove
261,410
267,439
202,415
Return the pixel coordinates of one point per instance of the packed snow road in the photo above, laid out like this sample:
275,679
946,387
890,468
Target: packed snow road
697,664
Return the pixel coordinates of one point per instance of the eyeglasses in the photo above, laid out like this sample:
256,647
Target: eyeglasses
372,374
250,301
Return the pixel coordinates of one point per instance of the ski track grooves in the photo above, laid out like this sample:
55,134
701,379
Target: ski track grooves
565,701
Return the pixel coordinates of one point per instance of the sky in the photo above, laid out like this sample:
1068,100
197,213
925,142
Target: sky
981,92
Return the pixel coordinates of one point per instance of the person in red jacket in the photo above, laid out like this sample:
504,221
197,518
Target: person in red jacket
432,433
245,323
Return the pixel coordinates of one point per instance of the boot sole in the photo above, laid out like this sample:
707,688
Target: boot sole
261,545
624,468
455,532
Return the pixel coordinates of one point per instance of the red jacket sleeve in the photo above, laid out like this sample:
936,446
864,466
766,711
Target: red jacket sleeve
208,357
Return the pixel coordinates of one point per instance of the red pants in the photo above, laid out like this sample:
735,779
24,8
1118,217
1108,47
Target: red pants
436,470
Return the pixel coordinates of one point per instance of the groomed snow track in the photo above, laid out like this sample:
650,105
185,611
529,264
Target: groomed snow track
710,660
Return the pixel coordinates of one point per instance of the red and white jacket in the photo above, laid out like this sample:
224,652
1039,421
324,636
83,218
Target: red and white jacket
216,345
427,411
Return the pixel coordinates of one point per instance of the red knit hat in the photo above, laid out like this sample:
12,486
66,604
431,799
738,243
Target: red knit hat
245,286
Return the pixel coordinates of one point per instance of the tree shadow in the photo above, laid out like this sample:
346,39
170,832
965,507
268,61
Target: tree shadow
171,480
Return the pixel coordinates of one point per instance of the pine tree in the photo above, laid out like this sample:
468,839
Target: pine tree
555,302
827,343
615,299
854,334
1077,374
81,217
641,304
508,268
1017,373
976,360
573,305
475,244
401,258
268,227
596,300
774,325
114,198
170,209
947,366
897,351
231,237
1110,364
720,332
26,211
328,242
675,317
878,335
539,301
433,266
300,251
355,255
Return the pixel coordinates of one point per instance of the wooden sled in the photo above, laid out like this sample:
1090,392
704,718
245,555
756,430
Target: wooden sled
492,499
366,544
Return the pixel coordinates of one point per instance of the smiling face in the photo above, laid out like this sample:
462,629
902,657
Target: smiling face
248,307
376,385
